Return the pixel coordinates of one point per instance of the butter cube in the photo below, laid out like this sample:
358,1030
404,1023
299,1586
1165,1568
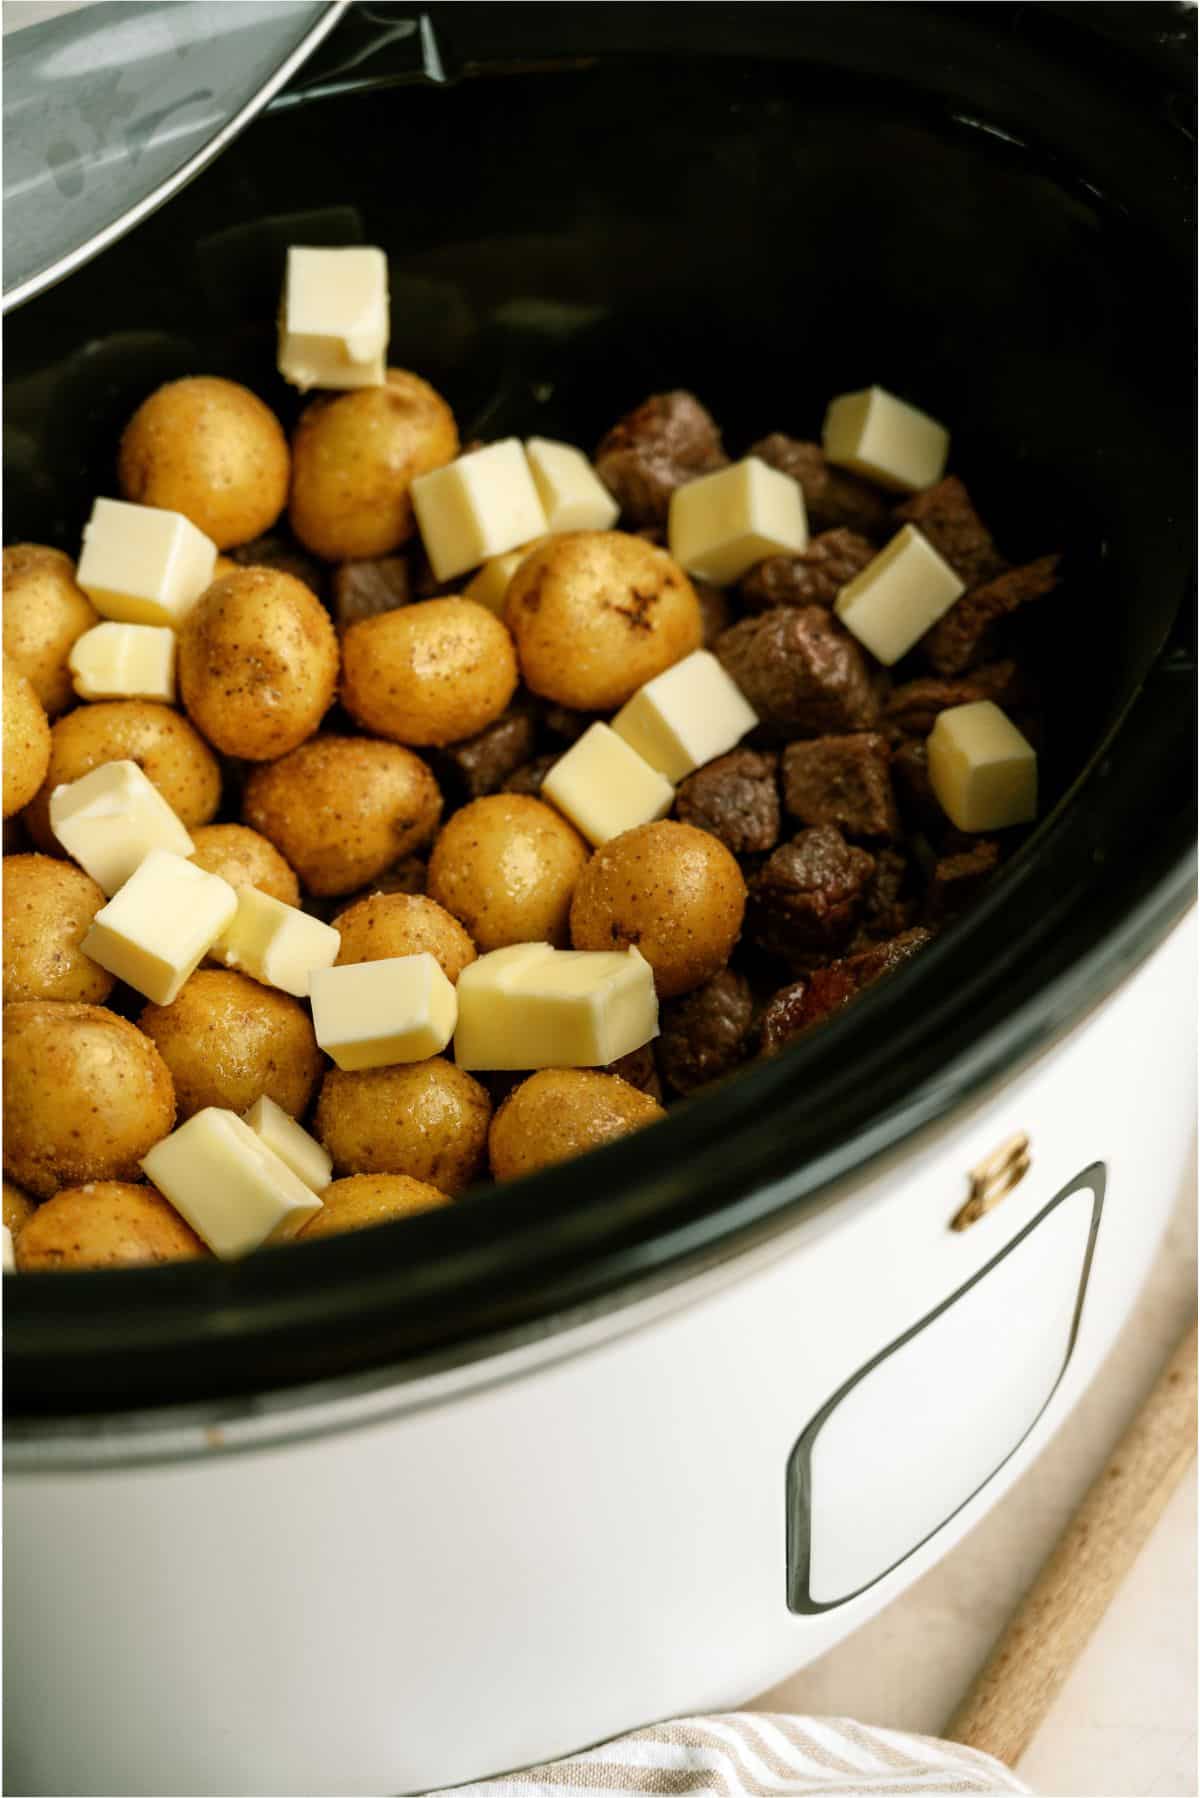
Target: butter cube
604,787
573,496
291,1142
490,585
124,661
894,600
878,435
276,943
157,930
373,1014
722,524
531,1006
982,770
109,821
8,1259
479,506
142,565
233,1190
333,326
685,716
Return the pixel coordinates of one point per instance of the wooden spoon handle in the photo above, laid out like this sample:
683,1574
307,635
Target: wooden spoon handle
1054,1620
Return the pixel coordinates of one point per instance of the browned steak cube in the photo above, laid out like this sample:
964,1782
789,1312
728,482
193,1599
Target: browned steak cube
945,515
640,1069
843,781
801,671
667,440
279,552
706,1033
965,635
912,708
736,798
481,764
889,904
807,897
716,611
529,776
813,578
958,878
364,589
810,1001
832,498
562,721
910,779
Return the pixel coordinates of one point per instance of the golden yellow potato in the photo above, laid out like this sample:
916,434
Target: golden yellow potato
86,1095
245,859
428,674
674,891
562,1112
26,740
107,1223
342,809
354,458
48,908
172,755
387,924
210,449
44,613
258,663
596,614
506,867
18,1209
426,1119
365,1199
227,1040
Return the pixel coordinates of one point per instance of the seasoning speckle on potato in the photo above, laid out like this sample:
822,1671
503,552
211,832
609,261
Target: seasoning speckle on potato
26,740
48,908
227,1041
427,1119
245,859
562,1112
362,1200
107,1223
44,614
388,924
428,674
506,867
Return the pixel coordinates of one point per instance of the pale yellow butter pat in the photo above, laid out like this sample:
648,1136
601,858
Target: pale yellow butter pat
157,930
898,596
232,1189
141,565
109,821
885,439
124,661
532,1006
722,524
982,770
685,716
291,1142
373,1014
479,506
490,586
333,325
573,496
604,787
276,943
8,1259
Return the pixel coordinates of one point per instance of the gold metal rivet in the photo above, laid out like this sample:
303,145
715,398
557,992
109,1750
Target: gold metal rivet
993,1179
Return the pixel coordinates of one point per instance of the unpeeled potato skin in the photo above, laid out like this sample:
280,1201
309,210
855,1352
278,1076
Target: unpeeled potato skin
354,459
389,924
244,858
596,614
343,809
44,614
86,1095
107,1223
170,752
506,866
258,663
26,740
427,1119
48,909
362,1200
562,1112
227,1040
18,1209
428,674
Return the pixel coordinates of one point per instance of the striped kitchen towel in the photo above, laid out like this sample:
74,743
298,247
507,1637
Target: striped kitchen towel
757,1755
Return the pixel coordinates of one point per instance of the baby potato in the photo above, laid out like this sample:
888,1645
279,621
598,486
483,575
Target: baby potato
245,859
365,1199
427,1119
387,924
227,1040
428,674
355,456
506,867
44,614
596,614
210,449
673,890
342,809
562,1112
26,740
86,1095
48,908
107,1223
18,1209
171,754
258,663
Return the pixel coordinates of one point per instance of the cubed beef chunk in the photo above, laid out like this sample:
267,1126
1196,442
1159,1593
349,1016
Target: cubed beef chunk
959,877
807,897
562,721
640,1069
802,673
735,798
529,776
945,515
890,904
843,781
813,578
279,552
706,1033
913,788
810,1001
667,440
965,635
716,611
833,499
364,589
912,708
482,763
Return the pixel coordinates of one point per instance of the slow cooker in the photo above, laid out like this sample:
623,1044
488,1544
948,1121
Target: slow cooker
639,1436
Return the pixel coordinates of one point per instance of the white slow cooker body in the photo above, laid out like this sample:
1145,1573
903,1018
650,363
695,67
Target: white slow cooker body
411,1588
